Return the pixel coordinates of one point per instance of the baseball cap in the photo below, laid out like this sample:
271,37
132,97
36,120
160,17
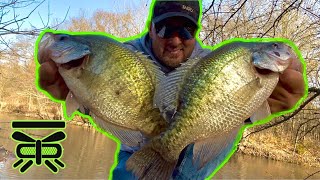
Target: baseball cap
165,8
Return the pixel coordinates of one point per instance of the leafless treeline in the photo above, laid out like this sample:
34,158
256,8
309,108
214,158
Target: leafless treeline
18,92
297,20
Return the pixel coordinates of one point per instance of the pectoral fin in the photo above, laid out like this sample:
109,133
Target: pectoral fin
261,113
72,104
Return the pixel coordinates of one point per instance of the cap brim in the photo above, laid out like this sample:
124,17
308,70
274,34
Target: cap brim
173,14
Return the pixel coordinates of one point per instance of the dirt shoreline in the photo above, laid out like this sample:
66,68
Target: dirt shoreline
281,149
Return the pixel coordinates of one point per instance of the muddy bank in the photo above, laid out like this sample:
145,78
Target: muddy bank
282,149
5,155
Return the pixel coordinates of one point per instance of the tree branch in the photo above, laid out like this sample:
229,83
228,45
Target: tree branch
311,129
311,175
286,118
279,17
211,5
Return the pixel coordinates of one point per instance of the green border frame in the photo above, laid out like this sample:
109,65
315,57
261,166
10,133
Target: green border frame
286,41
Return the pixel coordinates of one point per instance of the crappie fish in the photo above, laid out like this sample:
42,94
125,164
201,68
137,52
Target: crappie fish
116,84
207,100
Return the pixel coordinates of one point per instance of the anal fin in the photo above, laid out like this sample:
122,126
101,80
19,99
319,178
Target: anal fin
213,148
261,113
129,137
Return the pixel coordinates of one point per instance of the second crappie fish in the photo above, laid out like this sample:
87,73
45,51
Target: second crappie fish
116,84
207,100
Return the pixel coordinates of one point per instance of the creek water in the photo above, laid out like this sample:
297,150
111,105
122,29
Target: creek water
88,154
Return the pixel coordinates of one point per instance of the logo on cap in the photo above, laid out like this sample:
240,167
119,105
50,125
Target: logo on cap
187,8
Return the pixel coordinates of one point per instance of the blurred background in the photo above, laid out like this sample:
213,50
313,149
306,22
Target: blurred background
286,148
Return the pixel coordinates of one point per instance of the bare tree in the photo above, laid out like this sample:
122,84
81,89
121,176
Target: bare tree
296,20
13,23
118,24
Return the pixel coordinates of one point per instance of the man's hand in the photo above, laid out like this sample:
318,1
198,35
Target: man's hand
289,89
49,77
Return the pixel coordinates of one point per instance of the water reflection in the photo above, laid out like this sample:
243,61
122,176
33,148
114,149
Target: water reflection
89,154
249,167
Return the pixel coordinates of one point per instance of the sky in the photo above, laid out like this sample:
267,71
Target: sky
51,11
58,9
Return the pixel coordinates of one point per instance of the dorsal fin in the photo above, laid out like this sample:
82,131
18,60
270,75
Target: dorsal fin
153,70
166,94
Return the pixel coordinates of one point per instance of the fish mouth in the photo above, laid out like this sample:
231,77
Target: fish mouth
73,63
270,61
280,61
263,71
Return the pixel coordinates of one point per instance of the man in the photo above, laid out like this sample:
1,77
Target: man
170,42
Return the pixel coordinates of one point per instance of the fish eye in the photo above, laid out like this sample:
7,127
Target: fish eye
62,37
275,45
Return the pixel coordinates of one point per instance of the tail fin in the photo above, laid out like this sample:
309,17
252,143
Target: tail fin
149,164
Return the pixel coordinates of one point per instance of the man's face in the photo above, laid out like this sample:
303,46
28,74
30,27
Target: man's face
173,50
